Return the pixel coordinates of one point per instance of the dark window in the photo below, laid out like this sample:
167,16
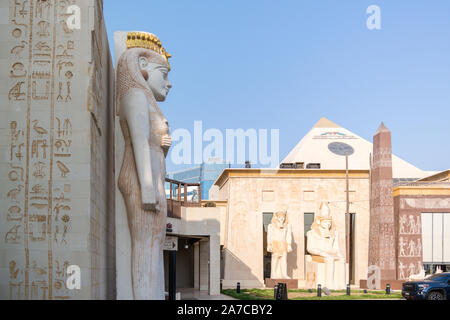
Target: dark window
267,219
308,222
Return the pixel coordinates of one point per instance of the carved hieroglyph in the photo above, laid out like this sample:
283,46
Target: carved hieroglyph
323,246
279,243
141,82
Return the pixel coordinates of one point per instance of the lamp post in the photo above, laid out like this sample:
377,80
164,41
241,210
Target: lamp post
343,149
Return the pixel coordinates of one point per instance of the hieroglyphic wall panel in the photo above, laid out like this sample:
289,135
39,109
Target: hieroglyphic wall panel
411,240
45,168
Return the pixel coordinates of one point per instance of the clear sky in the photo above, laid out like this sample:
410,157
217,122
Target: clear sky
285,64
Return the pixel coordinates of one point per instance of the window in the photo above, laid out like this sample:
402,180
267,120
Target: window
267,263
308,219
436,238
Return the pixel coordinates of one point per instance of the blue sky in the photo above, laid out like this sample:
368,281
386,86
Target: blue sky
285,64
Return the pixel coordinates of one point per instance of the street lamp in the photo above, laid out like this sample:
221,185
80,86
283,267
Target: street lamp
343,149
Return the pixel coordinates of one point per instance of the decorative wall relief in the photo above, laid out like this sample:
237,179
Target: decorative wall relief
38,211
410,247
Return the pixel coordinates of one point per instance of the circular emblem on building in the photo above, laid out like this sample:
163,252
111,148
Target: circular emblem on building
341,149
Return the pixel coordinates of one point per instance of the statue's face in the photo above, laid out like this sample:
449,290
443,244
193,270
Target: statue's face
326,224
158,79
281,218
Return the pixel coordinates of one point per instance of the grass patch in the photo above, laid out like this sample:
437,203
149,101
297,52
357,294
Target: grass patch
261,294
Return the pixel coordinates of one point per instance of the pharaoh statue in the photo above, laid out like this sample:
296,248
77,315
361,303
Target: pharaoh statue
141,83
279,243
323,247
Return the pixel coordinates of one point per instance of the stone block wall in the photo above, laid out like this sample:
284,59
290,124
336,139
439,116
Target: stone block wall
249,197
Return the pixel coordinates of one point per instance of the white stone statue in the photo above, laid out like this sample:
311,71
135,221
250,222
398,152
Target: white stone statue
323,246
439,270
419,276
141,83
279,243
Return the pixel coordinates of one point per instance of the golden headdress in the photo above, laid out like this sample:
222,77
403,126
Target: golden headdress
147,41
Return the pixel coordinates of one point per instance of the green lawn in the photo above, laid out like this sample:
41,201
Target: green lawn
259,294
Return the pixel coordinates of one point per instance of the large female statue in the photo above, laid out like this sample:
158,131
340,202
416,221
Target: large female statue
141,83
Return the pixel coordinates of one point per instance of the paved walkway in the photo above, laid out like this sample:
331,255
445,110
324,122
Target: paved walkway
193,294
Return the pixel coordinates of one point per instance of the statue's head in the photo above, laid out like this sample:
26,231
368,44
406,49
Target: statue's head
156,76
280,219
324,210
144,65
323,222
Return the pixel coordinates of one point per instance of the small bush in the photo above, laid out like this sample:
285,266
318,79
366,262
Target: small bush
210,205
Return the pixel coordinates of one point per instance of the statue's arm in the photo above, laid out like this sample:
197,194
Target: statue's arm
311,246
135,110
269,238
336,244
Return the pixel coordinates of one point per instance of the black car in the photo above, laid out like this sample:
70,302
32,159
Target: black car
436,287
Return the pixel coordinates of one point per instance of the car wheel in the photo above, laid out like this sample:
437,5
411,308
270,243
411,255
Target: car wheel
435,295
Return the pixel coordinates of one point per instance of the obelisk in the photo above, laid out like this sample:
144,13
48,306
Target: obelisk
382,226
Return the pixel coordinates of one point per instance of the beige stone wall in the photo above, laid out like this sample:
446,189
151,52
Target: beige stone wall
251,196
101,106
54,194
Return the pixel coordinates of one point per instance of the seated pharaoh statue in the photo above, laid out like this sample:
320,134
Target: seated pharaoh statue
279,243
326,264
142,83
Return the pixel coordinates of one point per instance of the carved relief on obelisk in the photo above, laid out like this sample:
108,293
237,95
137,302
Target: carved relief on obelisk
382,224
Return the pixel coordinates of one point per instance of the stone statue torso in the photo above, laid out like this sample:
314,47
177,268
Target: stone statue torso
278,238
128,179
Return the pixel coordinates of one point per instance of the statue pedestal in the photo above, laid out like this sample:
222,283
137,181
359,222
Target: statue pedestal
395,284
292,284
316,274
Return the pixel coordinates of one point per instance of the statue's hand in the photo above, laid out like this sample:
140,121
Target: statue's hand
289,248
166,141
269,248
149,201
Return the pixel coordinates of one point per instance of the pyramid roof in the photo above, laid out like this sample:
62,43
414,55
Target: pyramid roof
317,147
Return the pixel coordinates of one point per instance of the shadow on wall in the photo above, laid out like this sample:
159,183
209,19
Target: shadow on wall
236,269
111,288
292,260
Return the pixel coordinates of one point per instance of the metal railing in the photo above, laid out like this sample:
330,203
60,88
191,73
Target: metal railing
180,195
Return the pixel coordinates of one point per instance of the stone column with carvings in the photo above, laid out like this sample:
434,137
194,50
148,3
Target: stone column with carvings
382,223
57,168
